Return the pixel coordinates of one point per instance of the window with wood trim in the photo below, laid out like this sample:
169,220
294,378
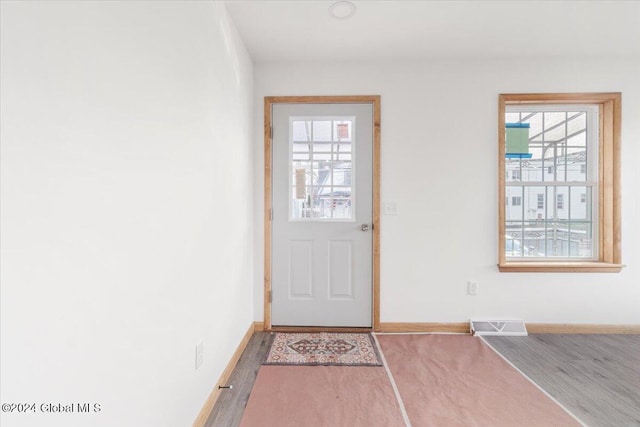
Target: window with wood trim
559,158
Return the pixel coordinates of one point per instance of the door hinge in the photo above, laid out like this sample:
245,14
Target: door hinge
271,214
271,132
270,296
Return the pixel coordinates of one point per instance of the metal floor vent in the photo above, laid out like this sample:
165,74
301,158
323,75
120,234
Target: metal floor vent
499,327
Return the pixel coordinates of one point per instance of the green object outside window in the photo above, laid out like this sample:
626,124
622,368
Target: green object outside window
517,139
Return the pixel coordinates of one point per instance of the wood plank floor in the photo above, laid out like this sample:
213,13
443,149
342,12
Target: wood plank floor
596,377
228,410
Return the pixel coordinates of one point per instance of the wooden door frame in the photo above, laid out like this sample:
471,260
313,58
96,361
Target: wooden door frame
269,101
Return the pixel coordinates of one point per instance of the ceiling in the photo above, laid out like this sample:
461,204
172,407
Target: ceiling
303,30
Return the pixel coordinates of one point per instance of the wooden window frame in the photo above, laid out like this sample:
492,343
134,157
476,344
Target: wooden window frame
609,222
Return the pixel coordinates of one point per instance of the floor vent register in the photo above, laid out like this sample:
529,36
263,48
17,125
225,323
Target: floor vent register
514,327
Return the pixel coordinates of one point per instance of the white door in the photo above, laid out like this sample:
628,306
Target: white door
322,215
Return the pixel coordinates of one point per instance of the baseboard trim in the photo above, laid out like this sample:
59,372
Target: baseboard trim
462,328
581,328
224,378
532,328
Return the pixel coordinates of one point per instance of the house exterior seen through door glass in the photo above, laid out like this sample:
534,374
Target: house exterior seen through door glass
322,201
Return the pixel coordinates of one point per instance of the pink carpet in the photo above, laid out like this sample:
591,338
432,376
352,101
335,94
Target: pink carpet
443,380
315,396
457,380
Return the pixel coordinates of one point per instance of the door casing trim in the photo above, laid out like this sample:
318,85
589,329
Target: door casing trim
269,101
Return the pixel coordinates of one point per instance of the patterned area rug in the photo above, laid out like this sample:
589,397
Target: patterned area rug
323,348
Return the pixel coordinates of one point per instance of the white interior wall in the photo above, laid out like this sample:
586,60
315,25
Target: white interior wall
127,207
439,163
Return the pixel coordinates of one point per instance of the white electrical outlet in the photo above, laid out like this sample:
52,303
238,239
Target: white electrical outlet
199,354
472,287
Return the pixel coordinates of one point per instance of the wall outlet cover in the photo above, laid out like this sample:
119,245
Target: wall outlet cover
391,208
472,287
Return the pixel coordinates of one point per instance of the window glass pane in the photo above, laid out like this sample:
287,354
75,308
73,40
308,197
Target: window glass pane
534,203
342,157
533,240
321,171
580,203
532,168
556,206
535,131
577,123
342,147
513,169
321,156
342,130
321,175
321,147
301,131
342,151
299,170
513,243
305,206
512,117
514,211
322,131
555,134
582,239
342,176
516,175
557,239
562,162
325,208
342,207
552,120
561,202
579,140
301,151
576,165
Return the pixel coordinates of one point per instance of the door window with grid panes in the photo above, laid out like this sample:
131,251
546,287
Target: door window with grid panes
322,159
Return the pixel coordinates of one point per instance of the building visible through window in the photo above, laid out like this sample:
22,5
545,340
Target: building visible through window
555,158
562,148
